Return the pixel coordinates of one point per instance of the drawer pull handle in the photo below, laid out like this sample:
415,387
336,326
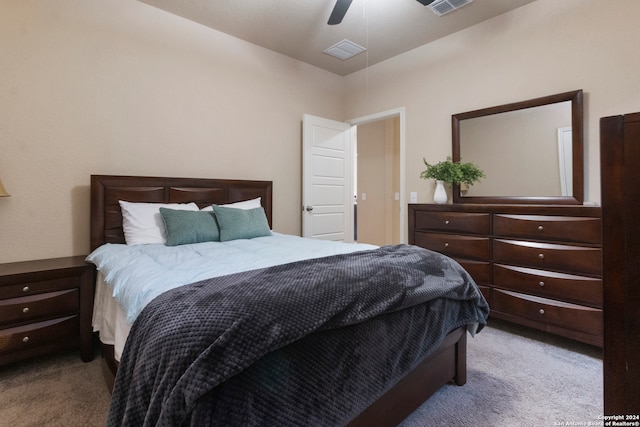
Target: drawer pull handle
25,310
446,245
541,283
446,222
540,228
541,256
541,311
26,289
25,340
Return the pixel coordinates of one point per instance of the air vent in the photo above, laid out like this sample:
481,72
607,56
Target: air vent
344,49
442,7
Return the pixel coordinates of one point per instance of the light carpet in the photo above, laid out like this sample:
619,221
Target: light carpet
516,377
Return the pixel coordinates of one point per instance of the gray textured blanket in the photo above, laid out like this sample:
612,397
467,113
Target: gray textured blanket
251,348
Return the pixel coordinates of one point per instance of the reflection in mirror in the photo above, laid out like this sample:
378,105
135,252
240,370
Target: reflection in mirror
525,138
529,151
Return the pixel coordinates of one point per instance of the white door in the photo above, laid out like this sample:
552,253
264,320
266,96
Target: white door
327,194
565,142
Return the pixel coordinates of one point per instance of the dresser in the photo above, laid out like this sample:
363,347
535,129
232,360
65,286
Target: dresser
539,266
45,307
620,178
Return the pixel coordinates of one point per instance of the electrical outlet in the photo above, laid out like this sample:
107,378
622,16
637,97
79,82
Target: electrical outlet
413,196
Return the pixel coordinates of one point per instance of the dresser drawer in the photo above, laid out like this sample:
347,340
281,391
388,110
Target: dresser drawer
39,306
38,287
567,287
541,227
486,293
570,316
456,222
39,334
568,258
479,270
455,245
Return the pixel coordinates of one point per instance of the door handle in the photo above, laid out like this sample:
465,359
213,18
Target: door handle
309,208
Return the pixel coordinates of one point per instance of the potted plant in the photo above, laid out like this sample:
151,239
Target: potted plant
450,172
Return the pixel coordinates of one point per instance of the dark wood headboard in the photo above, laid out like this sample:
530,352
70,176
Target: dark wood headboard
106,190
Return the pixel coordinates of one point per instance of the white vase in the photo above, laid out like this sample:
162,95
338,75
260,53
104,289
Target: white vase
440,195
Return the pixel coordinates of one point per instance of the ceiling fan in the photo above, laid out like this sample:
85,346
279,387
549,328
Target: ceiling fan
341,7
339,10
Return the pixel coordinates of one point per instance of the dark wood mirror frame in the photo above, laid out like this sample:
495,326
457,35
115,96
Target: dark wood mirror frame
577,125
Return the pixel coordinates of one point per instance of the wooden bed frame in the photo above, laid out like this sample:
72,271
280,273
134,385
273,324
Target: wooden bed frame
447,364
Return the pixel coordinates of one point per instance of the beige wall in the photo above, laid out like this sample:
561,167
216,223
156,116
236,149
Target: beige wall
543,48
120,87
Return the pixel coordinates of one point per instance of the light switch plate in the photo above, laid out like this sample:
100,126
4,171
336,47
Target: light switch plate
413,196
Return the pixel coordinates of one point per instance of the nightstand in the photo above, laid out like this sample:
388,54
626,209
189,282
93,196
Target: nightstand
45,307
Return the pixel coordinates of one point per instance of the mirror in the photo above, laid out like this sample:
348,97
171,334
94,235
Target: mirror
530,151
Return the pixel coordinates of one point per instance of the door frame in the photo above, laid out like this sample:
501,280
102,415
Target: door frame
401,113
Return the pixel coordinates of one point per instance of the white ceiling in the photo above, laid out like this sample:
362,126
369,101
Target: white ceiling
298,28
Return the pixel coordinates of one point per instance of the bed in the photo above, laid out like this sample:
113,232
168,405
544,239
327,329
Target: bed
340,379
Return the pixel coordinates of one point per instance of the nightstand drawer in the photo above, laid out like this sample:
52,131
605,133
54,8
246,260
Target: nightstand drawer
455,222
455,245
548,311
52,304
568,287
568,258
542,227
39,334
39,287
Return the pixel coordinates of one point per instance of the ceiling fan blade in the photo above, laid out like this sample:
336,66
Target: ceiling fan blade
339,10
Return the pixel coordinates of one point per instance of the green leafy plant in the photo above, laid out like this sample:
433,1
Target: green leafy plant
450,171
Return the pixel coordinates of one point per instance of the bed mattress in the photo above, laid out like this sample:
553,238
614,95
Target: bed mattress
131,276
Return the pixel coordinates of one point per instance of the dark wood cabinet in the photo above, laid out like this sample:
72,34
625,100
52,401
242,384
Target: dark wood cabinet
540,266
45,307
620,183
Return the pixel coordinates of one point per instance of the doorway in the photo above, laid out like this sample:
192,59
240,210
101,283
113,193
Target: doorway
376,183
379,213
328,180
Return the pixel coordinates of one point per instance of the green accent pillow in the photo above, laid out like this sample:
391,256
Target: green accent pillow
241,223
184,227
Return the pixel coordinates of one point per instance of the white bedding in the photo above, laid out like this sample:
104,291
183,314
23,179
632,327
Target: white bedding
135,274
109,318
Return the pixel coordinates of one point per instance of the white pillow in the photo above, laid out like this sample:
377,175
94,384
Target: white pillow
143,224
245,204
